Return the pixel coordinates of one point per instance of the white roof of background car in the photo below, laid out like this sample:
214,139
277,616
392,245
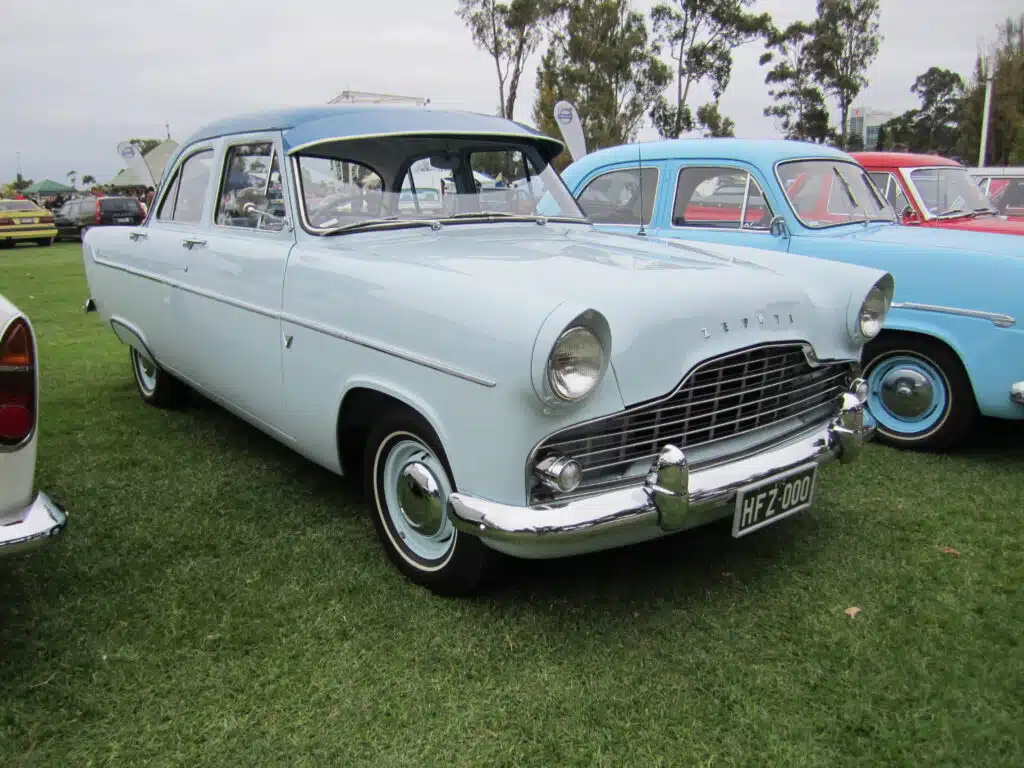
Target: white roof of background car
1012,171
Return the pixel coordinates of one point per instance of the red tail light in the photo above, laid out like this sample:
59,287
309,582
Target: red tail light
17,383
46,220
98,217
6,222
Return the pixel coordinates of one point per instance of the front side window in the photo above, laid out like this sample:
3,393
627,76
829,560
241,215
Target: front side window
419,180
891,190
719,198
829,193
252,174
948,191
1007,196
616,197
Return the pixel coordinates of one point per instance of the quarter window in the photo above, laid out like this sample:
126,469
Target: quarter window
252,174
615,197
720,198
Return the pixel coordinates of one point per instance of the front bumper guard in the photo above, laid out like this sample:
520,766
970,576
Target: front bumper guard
673,497
39,524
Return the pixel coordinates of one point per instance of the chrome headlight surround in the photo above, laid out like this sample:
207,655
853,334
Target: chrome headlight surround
576,364
867,323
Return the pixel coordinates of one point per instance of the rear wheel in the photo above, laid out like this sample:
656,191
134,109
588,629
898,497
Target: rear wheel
408,482
155,385
46,241
918,392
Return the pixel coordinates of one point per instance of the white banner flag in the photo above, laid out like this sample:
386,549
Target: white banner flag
133,157
568,120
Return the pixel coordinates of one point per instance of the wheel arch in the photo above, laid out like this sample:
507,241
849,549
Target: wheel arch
361,404
929,331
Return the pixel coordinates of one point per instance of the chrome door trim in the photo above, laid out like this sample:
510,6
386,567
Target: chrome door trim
996,318
303,322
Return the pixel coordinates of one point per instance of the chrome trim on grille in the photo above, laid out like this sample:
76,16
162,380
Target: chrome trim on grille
720,399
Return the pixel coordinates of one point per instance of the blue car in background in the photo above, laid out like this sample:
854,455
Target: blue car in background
952,347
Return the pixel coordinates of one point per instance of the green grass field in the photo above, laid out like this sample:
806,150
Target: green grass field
219,601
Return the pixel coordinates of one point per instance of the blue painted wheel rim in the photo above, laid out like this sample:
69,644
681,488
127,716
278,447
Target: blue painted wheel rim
898,424
432,547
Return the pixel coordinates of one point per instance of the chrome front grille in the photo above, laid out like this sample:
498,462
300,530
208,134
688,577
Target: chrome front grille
722,398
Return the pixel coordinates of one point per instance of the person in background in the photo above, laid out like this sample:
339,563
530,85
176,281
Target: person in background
148,198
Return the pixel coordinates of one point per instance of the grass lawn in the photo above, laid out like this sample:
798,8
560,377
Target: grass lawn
219,601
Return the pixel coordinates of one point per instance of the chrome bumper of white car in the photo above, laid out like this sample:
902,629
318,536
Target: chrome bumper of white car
1017,393
39,524
673,497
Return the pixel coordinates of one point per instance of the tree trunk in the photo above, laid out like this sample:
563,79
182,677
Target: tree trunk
844,111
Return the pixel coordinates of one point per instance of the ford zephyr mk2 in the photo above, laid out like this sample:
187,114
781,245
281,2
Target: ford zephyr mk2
414,297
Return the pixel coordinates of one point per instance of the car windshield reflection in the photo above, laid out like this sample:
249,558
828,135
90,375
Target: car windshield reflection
829,193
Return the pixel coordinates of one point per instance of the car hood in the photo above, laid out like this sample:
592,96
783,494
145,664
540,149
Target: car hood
998,224
668,305
931,237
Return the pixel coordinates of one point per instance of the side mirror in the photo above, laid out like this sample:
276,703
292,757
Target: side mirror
778,227
909,216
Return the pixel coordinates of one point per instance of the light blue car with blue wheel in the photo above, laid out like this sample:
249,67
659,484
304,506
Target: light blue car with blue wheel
952,347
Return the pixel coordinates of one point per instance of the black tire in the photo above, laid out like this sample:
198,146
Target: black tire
46,242
951,421
156,387
463,565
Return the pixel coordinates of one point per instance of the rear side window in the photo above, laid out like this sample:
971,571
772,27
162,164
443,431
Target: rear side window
616,197
119,205
186,196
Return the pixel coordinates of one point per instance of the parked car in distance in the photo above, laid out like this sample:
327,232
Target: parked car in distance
1004,187
22,221
952,345
932,191
500,379
82,213
28,518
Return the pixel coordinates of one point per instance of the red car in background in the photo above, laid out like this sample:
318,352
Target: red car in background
1004,187
931,191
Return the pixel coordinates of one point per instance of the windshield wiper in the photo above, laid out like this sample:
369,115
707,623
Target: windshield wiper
952,212
849,194
365,223
984,209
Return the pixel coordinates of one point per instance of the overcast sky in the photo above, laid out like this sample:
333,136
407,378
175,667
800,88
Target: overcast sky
78,77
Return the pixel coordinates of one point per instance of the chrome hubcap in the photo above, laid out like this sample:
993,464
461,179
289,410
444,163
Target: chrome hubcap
419,498
907,393
147,372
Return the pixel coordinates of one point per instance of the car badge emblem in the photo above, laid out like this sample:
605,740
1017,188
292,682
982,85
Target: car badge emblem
746,322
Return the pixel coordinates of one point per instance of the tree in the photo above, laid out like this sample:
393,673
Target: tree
846,41
714,123
602,60
932,127
799,106
1006,119
509,32
145,145
700,36
71,176
88,180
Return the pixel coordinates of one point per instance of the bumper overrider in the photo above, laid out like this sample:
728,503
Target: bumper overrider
39,524
672,498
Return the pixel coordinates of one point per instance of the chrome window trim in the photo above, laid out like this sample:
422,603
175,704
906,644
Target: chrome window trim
996,318
274,154
782,189
35,375
303,322
619,169
675,191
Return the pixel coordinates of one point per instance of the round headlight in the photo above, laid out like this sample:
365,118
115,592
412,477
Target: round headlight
575,364
872,313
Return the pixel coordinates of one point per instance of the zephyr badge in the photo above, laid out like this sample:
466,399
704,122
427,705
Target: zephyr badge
761,322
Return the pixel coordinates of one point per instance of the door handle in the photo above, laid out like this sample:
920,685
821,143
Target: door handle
136,236
189,243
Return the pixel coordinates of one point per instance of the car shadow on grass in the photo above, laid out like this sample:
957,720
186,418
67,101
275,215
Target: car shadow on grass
995,441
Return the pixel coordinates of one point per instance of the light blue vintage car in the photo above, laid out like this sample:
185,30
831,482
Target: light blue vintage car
500,379
951,345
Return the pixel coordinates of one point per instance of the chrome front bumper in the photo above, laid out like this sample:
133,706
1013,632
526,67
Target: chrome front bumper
673,497
39,524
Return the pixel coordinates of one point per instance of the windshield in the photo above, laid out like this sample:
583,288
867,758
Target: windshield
359,184
828,193
948,191
18,205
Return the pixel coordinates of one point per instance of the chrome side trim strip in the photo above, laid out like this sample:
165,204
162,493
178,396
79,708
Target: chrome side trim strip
310,324
388,350
997,319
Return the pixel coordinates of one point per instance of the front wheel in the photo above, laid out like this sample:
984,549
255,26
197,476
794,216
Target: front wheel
919,394
155,385
408,481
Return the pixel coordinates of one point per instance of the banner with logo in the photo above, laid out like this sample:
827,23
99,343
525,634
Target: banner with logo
569,124
133,157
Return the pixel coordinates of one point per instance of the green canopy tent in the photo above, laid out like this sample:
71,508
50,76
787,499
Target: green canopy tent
47,188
